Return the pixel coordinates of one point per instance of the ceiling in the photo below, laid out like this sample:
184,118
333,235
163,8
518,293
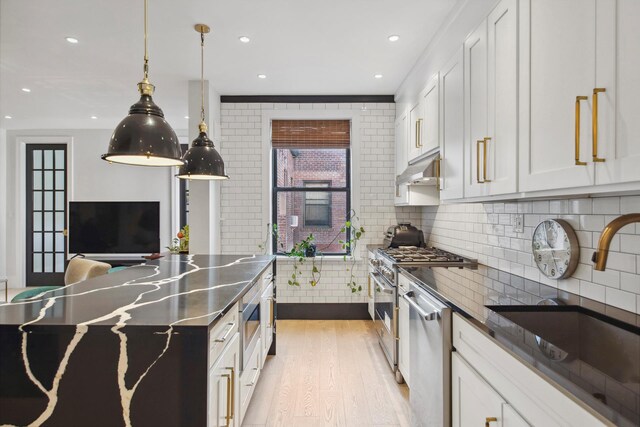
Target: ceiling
304,47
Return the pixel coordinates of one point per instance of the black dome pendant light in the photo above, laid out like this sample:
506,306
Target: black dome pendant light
144,137
202,161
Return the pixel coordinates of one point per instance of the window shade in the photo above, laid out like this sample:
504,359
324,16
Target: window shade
310,133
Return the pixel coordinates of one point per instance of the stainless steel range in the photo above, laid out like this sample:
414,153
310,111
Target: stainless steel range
384,275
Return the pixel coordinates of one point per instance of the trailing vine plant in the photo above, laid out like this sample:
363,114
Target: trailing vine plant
306,248
356,232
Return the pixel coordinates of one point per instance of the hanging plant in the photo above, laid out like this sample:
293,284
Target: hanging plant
307,248
356,232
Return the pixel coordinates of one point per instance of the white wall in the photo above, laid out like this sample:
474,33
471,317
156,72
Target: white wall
246,196
90,179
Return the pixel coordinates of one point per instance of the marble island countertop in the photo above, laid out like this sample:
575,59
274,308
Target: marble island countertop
599,362
185,290
117,349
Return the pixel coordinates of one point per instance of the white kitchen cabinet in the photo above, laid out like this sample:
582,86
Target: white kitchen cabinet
416,118
476,104
249,379
452,128
430,125
402,145
557,64
424,121
266,320
491,97
370,289
488,380
474,401
223,386
617,65
404,365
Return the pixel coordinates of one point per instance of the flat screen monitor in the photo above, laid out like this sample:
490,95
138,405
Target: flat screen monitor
114,227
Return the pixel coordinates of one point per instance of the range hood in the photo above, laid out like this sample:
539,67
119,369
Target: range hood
423,172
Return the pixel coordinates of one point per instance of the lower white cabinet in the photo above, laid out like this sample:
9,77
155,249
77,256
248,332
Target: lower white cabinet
249,378
223,389
488,382
403,330
370,300
474,401
266,320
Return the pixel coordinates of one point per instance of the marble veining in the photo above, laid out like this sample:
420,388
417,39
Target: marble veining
150,291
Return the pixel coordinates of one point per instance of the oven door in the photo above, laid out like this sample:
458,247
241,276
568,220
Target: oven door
385,316
250,323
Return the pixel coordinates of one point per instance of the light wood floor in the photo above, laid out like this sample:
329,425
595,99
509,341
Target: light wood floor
327,373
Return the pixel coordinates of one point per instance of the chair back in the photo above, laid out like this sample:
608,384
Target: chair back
80,269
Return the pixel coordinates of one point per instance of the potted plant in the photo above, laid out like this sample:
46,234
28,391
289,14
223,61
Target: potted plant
180,243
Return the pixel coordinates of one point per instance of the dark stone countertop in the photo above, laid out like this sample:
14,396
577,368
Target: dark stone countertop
597,349
180,290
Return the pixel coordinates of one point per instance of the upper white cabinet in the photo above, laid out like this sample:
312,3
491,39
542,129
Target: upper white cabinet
402,128
491,98
452,128
416,119
424,121
617,66
429,129
557,77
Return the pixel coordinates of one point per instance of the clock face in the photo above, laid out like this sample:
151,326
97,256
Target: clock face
555,248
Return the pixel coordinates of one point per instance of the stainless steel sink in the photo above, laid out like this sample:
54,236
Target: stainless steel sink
566,333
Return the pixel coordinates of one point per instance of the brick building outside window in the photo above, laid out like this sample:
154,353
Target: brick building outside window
311,183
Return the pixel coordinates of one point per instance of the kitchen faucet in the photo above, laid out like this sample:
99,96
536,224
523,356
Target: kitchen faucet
600,256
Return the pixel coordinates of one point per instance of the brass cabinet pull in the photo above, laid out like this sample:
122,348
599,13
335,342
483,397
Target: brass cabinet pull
369,285
396,322
418,133
271,312
484,158
233,393
438,173
490,420
596,91
478,142
228,416
578,99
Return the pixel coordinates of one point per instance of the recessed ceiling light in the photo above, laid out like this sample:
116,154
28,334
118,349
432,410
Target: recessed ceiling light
378,76
244,39
72,40
262,76
393,38
186,117
94,117
8,117
26,89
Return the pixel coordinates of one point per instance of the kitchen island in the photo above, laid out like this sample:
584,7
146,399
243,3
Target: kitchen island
128,348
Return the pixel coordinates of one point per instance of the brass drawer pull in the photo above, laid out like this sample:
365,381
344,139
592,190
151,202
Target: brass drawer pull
578,99
596,91
490,420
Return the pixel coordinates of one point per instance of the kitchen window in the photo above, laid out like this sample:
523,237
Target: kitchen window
311,183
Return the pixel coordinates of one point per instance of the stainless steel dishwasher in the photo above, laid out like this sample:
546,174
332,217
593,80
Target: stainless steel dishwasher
430,358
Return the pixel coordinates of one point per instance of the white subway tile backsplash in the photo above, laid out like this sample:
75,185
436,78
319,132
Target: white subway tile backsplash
481,230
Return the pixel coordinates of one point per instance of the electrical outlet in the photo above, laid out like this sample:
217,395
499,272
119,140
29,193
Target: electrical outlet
518,223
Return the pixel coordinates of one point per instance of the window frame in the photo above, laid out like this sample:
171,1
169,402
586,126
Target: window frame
275,190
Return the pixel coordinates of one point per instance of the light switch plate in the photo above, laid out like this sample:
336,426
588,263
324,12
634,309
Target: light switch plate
518,223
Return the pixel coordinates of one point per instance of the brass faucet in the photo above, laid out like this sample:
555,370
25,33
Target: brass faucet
600,257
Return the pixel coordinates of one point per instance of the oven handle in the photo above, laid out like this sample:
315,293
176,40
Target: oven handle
385,289
434,315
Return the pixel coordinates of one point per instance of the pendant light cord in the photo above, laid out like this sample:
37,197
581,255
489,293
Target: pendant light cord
146,53
201,75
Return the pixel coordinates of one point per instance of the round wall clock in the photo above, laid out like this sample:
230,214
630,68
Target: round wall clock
555,248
